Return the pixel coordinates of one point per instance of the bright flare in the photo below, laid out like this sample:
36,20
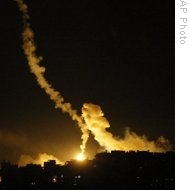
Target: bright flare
80,157
92,119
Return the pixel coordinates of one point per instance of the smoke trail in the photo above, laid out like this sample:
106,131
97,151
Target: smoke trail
92,119
97,124
34,64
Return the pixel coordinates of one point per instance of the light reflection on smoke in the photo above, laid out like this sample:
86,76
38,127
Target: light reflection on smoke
92,119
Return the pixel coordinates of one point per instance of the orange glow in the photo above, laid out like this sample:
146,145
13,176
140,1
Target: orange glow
80,157
92,119
40,159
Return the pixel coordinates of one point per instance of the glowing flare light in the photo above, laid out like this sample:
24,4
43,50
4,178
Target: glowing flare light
80,157
92,119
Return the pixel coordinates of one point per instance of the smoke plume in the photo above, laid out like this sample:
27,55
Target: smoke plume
40,159
92,119
97,124
34,64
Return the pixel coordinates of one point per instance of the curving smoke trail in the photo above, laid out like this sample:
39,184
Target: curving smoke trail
92,119
34,64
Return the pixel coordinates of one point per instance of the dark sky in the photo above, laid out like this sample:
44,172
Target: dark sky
119,55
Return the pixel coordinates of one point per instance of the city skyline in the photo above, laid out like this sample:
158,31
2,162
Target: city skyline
129,170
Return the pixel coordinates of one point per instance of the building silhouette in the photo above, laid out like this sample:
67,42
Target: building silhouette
116,170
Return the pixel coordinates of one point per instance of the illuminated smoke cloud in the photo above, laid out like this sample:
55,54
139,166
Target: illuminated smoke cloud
40,159
92,118
97,124
34,64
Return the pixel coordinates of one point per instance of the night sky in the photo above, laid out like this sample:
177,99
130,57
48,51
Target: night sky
114,54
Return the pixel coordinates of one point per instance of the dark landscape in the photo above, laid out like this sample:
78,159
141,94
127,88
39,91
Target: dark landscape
115,170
